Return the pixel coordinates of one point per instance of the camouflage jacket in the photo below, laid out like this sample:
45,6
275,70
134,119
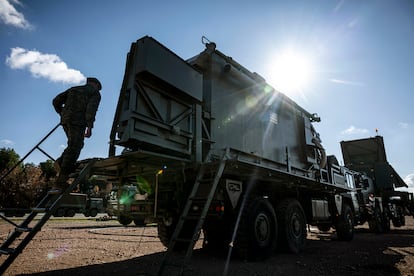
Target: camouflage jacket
77,105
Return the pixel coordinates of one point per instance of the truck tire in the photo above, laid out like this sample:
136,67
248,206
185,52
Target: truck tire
345,224
93,212
166,230
386,221
292,225
257,234
139,221
399,219
60,212
124,220
376,223
216,237
324,227
70,212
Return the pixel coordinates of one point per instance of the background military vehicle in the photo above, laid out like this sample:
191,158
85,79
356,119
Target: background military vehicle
376,182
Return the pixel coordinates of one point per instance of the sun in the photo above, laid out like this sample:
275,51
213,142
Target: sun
289,72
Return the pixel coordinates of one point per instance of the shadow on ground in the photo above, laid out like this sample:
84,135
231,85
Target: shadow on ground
368,254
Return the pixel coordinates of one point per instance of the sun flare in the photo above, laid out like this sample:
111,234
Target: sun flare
289,72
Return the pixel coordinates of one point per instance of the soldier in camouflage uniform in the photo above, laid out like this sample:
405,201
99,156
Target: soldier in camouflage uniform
77,107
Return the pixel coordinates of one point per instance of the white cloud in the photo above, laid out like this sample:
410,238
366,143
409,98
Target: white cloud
48,66
354,130
10,16
403,125
6,142
409,180
353,83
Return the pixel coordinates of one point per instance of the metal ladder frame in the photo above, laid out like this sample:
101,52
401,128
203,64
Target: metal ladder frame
200,220
54,199
30,152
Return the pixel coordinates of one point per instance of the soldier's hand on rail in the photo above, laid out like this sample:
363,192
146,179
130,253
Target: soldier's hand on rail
88,132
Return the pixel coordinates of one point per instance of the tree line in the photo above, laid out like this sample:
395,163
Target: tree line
26,184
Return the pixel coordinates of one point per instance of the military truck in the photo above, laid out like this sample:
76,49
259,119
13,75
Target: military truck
74,203
223,152
129,205
376,181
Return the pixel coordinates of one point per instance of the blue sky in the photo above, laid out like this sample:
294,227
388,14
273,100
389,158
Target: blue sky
358,54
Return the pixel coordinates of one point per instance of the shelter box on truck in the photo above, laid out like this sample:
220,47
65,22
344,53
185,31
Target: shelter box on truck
156,107
368,156
249,115
184,109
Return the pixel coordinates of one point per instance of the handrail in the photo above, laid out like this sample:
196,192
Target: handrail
30,152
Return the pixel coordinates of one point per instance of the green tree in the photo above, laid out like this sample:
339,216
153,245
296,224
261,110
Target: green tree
22,186
8,158
48,169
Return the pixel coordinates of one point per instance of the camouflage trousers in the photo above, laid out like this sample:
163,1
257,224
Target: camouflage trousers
70,155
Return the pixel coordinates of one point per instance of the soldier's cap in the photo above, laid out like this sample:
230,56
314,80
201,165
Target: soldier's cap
95,80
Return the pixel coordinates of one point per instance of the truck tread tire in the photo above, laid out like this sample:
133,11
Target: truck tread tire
70,212
345,224
257,234
165,233
217,236
386,221
399,218
324,228
124,220
60,212
376,223
292,225
139,221
93,212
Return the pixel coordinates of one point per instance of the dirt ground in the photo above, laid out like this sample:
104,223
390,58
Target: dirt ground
91,247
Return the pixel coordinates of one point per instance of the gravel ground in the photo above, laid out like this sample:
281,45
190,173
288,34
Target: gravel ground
93,247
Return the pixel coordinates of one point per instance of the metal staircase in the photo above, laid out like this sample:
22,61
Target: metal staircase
202,178
30,152
25,231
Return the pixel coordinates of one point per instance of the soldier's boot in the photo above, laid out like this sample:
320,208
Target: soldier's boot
61,182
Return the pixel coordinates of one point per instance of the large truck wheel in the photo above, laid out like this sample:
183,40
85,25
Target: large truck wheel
292,225
257,235
376,222
399,219
216,237
93,212
60,212
324,227
70,212
166,228
124,220
386,221
139,221
345,224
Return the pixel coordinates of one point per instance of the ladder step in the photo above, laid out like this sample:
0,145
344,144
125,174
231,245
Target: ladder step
39,209
23,229
6,251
